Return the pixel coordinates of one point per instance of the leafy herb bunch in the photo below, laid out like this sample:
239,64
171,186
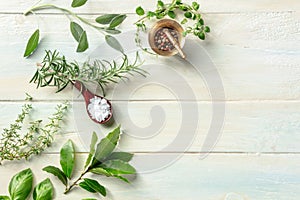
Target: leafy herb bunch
108,22
55,71
190,13
16,146
101,161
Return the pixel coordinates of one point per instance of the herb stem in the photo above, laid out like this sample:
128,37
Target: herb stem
68,189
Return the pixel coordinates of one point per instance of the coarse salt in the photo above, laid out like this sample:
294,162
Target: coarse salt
99,109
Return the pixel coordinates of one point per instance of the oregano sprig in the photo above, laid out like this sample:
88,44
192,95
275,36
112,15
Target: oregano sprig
102,160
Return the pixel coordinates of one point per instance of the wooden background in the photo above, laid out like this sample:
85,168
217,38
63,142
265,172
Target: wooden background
255,46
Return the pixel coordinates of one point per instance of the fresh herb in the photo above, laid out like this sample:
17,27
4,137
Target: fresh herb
20,187
16,146
111,21
55,71
101,160
172,10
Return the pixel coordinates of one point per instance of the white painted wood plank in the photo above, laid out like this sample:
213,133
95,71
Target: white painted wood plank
128,6
248,127
217,177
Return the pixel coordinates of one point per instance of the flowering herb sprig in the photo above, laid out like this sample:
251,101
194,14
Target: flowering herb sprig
55,71
16,146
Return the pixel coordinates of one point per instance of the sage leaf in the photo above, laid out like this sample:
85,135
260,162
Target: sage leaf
105,19
32,43
78,3
106,146
112,31
92,149
4,198
89,199
43,191
83,43
95,186
114,43
58,173
124,156
85,186
116,21
67,158
20,185
76,30
140,11
118,167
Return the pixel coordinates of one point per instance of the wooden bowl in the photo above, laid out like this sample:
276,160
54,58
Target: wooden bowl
170,24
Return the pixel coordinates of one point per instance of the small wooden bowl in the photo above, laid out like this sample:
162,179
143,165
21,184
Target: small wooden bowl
170,24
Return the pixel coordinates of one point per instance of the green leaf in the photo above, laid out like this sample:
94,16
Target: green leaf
78,3
201,21
124,156
195,6
32,43
118,167
76,30
67,158
105,19
106,146
20,185
100,171
122,178
95,186
201,36
188,14
116,21
114,43
184,21
112,31
207,29
92,149
140,11
160,4
43,191
88,199
83,43
172,14
85,186
4,198
57,172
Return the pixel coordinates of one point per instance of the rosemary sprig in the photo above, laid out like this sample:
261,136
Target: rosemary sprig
14,146
55,71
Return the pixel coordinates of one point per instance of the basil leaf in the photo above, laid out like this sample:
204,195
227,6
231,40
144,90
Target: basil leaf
76,30
114,43
67,158
116,21
124,156
20,185
4,198
32,43
106,146
105,19
83,43
85,186
140,11
95,186
56,172
78,3
43,191
92,149
118,167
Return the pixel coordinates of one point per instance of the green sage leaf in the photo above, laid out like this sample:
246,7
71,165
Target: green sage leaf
140,11
4,198
78,3
43,191
32,43
20,185
114,43
67,158
85,186
105,19
95,185
124,156
76,30
92,149
83,43
106,146
112,31
116,21
58,173
118,167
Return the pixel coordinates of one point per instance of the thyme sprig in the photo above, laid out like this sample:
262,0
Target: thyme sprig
55,71
15,146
